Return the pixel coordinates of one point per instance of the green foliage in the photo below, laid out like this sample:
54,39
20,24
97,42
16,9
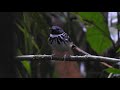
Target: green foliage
97,34
113,70
29,41
25,63
32,36
118,50
118,26
34,28
27,66
98,41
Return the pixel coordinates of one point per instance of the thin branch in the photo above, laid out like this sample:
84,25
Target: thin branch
70,58
107,65
110,75
74,47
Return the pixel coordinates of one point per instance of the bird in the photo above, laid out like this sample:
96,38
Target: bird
61,45
59,40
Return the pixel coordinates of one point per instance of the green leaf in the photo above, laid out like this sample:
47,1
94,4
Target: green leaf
97,34
113,70
97,40
20,28
19,52
27,66
35,44
118,50
20,76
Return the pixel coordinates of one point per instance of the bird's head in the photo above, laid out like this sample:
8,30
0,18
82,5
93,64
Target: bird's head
56,30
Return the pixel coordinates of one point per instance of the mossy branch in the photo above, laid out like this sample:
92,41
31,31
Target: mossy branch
70,58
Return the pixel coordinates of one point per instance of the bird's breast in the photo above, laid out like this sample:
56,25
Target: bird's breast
59,44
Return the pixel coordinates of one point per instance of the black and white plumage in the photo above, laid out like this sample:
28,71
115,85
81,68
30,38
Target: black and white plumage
59,40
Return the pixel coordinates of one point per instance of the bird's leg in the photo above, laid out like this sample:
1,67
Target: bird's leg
64,57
